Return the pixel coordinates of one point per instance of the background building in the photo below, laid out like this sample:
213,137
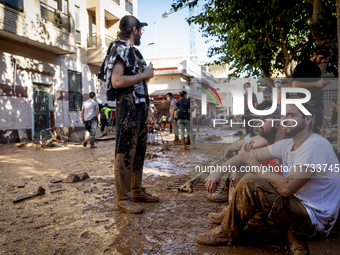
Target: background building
173,74
50,55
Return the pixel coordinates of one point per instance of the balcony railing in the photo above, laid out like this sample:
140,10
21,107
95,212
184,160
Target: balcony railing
15,4
128,6
108,40
55,16
92,40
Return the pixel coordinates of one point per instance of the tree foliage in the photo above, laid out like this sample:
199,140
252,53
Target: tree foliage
258,37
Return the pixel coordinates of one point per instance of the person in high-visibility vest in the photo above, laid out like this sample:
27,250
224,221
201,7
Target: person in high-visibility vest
164,119
107,111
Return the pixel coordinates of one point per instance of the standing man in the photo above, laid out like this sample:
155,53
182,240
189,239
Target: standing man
90,116
308,75
128,73
172,110
281,83
247,113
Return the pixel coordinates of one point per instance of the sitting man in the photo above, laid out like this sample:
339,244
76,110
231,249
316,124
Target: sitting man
269,134
223,195
305,201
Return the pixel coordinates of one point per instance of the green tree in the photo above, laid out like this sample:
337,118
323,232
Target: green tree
259,37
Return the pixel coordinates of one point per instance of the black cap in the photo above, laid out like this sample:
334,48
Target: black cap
129,21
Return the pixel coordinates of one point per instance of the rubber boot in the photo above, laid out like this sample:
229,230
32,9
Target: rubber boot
183,141
87,135
188,140
193,137
217,218
92,142
176,139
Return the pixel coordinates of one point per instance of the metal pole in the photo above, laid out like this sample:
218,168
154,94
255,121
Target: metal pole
155,39
338,25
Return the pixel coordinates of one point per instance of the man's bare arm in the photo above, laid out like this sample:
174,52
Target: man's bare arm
119,80
172,113
285,186
259,141
306,85
214,179
82,115
98,114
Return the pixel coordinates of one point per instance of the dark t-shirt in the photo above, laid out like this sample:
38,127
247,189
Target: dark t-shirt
246,108
183,106
309,72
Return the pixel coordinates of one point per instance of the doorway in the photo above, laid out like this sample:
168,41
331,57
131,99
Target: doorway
41,111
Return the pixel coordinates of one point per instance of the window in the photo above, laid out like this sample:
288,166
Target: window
64,7
117,1
15,4
74,91
129,6
77,21
330,94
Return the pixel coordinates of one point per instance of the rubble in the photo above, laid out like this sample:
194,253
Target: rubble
39,192
72,178
76,177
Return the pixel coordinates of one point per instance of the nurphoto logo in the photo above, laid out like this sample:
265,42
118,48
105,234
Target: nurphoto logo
238,106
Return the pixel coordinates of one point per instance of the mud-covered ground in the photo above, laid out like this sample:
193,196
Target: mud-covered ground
78,218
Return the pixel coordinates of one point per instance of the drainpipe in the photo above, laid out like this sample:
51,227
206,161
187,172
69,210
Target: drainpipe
15,74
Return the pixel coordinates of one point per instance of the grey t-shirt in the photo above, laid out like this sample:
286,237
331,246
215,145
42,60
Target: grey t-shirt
90,107
172,104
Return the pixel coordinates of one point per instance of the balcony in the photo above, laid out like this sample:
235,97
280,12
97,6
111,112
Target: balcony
97,46
15,4
92,40
55,16
37,30
108,40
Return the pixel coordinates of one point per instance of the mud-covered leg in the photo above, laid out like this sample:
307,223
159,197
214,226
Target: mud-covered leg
127,131
253,194
138,193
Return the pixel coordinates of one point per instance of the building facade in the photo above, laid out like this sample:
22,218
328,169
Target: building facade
50,55
173,74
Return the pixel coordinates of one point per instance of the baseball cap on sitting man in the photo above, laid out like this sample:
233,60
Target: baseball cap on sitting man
129,21
276,114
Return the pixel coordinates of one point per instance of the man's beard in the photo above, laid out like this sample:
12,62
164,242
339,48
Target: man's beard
293,131
269,135
137,40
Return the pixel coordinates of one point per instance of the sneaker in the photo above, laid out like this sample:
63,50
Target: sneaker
128,206
214,237
222,196
217,218
140,195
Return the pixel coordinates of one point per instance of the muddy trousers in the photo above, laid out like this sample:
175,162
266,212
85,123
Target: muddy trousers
131,138
91,126
252,195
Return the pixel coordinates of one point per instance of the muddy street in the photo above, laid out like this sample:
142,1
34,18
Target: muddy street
78,218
